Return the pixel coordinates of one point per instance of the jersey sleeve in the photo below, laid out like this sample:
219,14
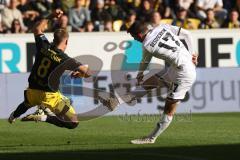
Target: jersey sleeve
72,64
41,42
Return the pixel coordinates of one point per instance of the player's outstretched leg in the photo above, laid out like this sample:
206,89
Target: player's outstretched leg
61,115
21,109
162,125
64,121
131,97
55,120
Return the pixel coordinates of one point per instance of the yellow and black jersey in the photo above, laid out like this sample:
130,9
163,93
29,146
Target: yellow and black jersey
49,61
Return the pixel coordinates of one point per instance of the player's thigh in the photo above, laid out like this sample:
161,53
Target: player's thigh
33,97
51,100
182,82
178,90
65,110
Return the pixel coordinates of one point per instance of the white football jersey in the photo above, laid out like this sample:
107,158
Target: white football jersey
164,43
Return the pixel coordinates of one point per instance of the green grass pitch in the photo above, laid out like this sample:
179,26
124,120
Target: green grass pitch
195,137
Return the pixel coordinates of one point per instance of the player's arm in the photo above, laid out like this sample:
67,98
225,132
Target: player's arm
42,42
41,26
81,72
146,58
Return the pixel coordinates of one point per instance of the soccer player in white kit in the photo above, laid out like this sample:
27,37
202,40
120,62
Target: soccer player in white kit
163,42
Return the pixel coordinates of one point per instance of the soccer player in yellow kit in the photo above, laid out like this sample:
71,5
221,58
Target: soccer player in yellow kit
49,57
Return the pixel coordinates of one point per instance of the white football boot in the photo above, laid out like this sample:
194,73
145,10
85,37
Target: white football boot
145,140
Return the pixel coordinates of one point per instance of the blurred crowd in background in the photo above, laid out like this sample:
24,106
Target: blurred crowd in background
18,16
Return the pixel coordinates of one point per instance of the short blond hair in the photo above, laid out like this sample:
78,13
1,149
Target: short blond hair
60,35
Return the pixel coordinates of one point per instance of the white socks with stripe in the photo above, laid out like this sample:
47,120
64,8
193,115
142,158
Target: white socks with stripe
162,125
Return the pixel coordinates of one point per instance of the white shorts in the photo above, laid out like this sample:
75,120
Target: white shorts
179,80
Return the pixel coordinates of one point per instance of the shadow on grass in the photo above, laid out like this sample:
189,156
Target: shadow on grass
213,152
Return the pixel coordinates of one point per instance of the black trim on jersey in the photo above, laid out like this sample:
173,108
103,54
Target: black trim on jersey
173,100
179,30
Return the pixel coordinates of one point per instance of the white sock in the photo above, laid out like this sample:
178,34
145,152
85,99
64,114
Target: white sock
162,125
49,112
43,118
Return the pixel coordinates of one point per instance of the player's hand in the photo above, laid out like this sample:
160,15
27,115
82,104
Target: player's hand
82,72
57,13
75,74
140,78
195,59
85,70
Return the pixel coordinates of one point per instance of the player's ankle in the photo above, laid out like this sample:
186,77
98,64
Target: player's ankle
153,138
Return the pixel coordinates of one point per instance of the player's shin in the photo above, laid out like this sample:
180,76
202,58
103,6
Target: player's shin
21,109
166,119
161,126
61,123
